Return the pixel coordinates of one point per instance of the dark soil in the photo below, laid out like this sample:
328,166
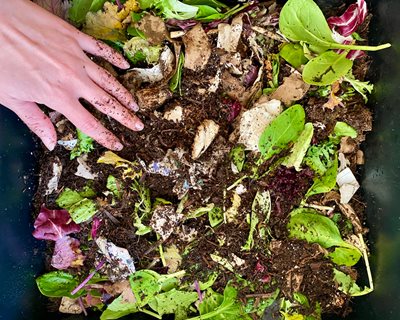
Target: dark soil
277,261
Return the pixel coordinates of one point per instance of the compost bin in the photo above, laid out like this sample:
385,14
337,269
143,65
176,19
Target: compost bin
22,260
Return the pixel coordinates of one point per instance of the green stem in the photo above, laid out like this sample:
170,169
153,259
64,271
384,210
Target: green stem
363,48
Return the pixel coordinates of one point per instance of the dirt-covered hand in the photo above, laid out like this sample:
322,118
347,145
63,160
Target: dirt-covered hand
43,61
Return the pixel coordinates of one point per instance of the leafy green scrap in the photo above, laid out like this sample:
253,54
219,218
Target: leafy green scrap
83,145
78,204
282,131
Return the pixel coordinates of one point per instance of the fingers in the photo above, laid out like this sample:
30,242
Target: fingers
106,81
89,125
37,121
100,49
111,107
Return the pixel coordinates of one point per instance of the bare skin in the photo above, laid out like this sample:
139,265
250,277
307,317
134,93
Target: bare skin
43,61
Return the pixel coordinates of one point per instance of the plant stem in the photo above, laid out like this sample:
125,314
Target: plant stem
363,48
368,267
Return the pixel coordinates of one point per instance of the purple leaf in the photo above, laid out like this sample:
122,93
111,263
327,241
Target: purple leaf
67,254
234,109
349,21
183,24
95,227
53,224
250,76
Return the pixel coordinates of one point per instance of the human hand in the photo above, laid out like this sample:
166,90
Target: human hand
42,60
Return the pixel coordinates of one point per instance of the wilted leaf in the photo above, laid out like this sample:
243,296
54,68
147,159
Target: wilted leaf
348,285
53,224
67,254
172,258
300,148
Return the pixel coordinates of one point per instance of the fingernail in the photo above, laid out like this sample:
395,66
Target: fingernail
125,65
133,105
118,146
139,126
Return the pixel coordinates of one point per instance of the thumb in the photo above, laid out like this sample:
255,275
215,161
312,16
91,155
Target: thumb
37,121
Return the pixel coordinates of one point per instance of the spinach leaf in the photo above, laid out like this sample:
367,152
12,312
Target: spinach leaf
57,284
303,21
345,256
300,148
326,68
348,285
283,130
293,53
325,183
118,308
307,224
170,302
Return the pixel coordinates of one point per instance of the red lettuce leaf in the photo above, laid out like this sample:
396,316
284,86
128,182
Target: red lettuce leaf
350,20
67,254
53,224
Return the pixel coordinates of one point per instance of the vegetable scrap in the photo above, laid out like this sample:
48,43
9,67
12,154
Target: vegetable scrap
240,198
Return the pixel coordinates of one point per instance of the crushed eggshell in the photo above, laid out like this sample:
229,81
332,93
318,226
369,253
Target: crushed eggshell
68,144
254,121
70,306
52,185
348,185
163,70
205,135
197,48
229,34
83,170
175,114
120,260
152,98
164,220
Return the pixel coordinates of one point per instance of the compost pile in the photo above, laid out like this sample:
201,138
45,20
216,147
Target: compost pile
239,198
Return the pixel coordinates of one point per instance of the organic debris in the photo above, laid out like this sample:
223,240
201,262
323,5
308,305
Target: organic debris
240,196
